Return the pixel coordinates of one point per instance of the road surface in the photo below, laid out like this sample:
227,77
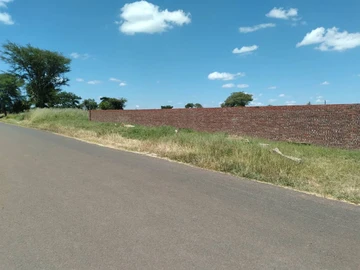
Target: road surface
66,204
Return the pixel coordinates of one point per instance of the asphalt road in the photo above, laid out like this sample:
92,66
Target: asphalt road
65,204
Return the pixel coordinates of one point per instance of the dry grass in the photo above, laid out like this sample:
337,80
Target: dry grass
325,171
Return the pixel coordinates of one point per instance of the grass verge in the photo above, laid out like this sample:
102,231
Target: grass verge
332,173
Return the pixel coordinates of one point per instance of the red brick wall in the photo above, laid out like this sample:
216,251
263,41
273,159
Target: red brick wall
330,125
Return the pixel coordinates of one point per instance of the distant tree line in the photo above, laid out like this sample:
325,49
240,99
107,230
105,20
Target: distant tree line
36,76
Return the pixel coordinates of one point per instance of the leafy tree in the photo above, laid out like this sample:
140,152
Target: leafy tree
112,103
192,105
9,91
89,104
43,71
237,99
66,100
167,107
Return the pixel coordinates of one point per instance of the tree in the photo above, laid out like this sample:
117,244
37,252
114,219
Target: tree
89,104
167,107
192,105
237,99
66,100
9,92
112,103
43,71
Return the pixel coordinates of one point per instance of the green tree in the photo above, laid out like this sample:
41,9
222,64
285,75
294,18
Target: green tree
237,99
10,91
167,107
66,100
112,103
192,105
43,71
89,104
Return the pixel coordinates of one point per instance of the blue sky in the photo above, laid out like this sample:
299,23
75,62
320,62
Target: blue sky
178,51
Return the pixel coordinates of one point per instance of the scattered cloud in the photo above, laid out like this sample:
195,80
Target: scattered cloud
145,17
245,49
325,83
5,17
3,3
249,29
242,86
122,84
320,100
114,80
272,88
291,102
255,103
331,39
225,76
281,13
137,106
76,55
94,82
80,80
228,85
282,95
272,100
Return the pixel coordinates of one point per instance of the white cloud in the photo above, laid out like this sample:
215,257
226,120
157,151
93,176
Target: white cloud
225,76
249,29
291,102
272,100
254,103
246,49
79,80
94,82
281,13
145,17
260,95
331,39
325,83
228,85
122,84
76,55
3,3
114,80
272,87
282,95
242,86
5,18
137,106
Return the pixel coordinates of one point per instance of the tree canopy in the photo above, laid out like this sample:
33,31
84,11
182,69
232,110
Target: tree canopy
192,105
89,104
66,100
112,103
10,93
237,99
166,107
43,71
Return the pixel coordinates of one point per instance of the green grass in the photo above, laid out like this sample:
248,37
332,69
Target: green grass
329,172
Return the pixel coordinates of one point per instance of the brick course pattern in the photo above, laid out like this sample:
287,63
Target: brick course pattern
328,125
